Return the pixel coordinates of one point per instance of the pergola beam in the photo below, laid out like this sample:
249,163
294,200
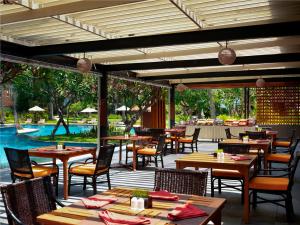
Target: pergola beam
204,36
245,73
60,9
205,62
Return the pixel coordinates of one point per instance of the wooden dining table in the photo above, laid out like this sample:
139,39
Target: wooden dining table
207,160
132,139
64,156
76,213
264,145
177,133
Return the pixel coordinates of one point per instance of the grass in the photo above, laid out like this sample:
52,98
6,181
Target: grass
70,138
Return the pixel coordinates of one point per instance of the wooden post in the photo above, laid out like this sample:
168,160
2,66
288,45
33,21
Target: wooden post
103,106
246,102
172,106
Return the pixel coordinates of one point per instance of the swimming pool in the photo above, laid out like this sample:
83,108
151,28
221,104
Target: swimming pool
8,138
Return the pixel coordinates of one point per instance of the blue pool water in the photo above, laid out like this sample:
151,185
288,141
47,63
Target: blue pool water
9,138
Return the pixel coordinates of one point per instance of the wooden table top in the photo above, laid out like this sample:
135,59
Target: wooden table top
129,138
250,142
78,214
51,151
209,159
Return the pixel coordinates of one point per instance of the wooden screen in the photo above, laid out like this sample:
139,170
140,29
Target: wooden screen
278,105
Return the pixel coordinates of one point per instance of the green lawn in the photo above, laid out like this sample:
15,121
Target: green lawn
70,138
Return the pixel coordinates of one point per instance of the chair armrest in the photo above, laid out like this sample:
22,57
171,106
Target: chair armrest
90,159
235,136
13,216
73,163
266,175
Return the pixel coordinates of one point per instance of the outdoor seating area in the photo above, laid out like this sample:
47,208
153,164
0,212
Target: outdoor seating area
135,112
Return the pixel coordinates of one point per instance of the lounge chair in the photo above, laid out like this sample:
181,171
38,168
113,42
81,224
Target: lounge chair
29,120
41,121
93,121
83,121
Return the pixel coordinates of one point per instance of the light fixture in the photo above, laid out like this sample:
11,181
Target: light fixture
226,55
181,87
260,82
84,64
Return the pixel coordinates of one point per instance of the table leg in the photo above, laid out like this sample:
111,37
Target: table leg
94,156
65,171
120,152
246,195
217,218
134,156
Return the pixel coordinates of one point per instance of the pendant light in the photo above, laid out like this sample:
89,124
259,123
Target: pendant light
226,55
181,87
84,64
260,82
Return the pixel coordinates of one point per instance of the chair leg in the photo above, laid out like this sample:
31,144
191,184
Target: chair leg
126,158
212,188
182,148
219,185
94,185
84,183
56,184
289,208
144,161
192,146
69,183
13,179
254,199
196,146
162,161
156,164
108,181
243,190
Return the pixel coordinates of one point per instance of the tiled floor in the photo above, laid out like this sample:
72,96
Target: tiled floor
265,214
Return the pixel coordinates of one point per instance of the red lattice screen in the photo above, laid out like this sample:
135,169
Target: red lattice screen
278,105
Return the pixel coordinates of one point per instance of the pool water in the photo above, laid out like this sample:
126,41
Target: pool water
9,138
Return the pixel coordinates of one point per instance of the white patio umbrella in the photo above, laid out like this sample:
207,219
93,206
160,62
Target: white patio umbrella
89,110
122,108
36,109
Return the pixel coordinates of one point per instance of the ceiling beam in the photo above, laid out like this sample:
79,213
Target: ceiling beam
60,9
292,57
188,13
287,41
204,36
267,72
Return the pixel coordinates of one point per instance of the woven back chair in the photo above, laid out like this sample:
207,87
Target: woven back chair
196,134
234,148
228,134
19,162
26,200
104,158
256,135
181,181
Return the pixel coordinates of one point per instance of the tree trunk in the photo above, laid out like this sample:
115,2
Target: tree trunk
61,120
212,106
50,111
2,118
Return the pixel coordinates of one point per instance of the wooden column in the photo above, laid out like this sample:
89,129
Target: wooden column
103,106
246,102
172,106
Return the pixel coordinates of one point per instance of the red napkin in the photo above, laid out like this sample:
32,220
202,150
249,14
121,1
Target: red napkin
164,195
97,202
110,218
186,211
240,157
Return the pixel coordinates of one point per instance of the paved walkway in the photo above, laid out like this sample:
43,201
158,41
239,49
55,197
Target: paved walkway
265,214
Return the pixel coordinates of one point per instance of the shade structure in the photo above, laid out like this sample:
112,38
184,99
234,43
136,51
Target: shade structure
122,108
89,110
36,109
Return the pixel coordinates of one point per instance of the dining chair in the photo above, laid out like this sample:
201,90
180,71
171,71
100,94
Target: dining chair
284,144
279,185
228,134
156,153
283,158
93,169
223,174
24,201
23,169
188,182
193,142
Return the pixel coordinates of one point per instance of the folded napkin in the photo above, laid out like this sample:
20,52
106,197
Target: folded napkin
164,195
97,202
240,157
73,148
186,211
110,218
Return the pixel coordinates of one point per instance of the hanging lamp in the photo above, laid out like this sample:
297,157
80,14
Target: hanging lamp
226,55
181,87
84,64
260,82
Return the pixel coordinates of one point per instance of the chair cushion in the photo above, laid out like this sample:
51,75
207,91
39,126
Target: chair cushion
284,144
269,183
129,147
226,173
185,140
147,151
39,171
285,158
85,169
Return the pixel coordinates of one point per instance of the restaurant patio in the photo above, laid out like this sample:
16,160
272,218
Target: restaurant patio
175,45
